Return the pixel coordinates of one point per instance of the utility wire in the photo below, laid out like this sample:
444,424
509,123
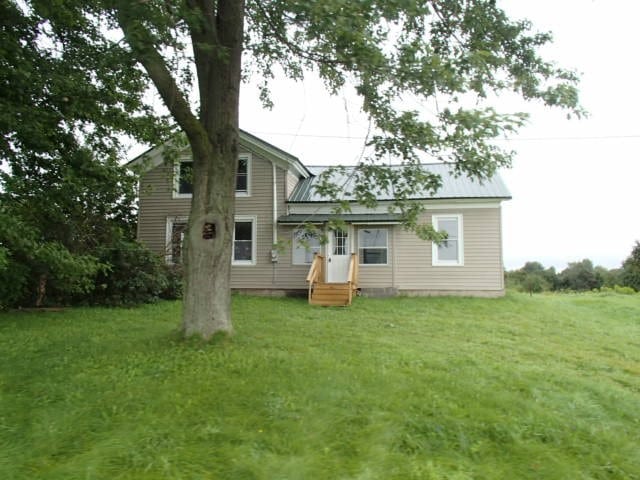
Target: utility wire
511,139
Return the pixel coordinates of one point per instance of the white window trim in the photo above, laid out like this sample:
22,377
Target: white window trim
368,265
168,256
435,261
176,177
293,248
254,241
247,157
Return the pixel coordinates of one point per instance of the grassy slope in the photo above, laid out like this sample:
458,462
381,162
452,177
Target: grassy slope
545,387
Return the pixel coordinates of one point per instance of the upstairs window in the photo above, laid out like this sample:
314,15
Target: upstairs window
450,251
242,176
185,178
183,184
373,246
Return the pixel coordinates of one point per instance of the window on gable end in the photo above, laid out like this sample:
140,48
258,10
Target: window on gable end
183,184
242,176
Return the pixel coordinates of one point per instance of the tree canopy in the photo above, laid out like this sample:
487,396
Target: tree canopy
88,63
64,197
631,268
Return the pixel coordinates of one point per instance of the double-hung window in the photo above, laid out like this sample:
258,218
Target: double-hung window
305,245
449,252
242,176
176,229
183,177
373,246
244,241
184,185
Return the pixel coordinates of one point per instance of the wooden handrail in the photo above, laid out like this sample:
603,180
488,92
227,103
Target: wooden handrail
316,273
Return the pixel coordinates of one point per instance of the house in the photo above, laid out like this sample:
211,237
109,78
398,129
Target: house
275,195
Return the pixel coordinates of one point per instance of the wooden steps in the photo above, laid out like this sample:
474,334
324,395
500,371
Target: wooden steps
330,294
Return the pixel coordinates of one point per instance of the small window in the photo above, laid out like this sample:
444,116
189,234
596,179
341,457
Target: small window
373,246
305,245
183,186
244,242
340,238
450,250
242,177
185,178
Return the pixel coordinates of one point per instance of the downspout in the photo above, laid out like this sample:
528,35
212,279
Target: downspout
275,205
274,220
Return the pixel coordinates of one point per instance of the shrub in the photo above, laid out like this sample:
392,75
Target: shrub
134,274
14,278
175,276
34,271
534,283
624,290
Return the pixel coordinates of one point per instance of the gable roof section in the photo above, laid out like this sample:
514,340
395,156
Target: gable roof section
453,187
154,156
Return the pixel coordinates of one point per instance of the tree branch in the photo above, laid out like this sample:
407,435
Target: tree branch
293,48
204,39
144,50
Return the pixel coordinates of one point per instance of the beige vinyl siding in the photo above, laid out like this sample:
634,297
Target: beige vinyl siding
157,204
292,181
376,276
482,269
288,275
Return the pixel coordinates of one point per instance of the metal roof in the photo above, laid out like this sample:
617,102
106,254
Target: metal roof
453,187
300,218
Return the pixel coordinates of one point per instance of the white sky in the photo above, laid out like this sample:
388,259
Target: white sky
574,182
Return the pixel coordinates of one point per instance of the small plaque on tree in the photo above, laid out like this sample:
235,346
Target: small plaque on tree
209,231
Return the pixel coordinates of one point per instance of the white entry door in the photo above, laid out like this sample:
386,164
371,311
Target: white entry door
338,256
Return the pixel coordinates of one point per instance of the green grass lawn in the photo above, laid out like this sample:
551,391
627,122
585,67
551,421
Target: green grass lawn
544,387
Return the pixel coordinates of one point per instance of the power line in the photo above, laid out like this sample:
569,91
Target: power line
512,139
590,137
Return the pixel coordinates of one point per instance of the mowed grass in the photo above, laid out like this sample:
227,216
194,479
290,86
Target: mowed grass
543,387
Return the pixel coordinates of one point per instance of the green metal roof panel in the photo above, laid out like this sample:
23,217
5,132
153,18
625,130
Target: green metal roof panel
453,186
300,218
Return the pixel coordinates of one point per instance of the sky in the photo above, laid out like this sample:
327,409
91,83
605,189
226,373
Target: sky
575,183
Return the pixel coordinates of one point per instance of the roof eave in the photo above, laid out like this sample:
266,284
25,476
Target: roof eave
153,156
421,199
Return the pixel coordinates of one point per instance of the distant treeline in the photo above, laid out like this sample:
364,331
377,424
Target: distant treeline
533,277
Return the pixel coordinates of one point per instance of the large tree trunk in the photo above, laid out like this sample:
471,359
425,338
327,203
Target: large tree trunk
209,239
216,29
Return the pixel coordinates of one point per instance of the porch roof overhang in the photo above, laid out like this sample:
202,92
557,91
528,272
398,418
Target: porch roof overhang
362,218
